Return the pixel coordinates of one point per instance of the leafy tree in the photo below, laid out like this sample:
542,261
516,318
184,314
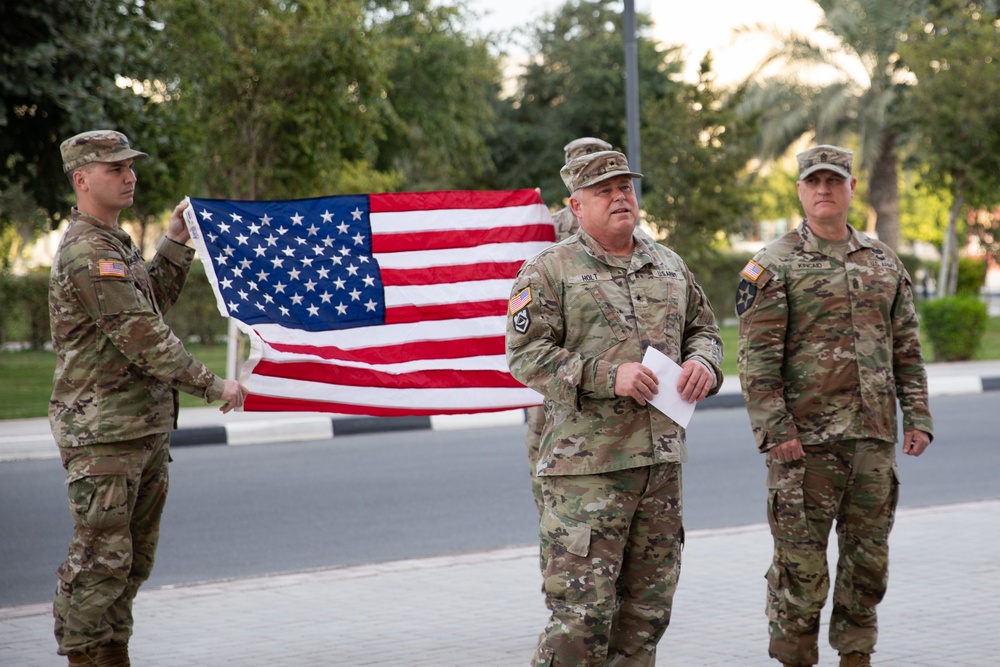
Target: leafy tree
283,93
923,209
953,110
696,151
802,87
440,94
574,87
61,63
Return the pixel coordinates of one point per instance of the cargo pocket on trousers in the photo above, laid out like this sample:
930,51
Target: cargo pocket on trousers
99,502
786,507
568,572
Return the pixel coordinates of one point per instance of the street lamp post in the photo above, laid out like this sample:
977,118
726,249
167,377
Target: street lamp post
632,95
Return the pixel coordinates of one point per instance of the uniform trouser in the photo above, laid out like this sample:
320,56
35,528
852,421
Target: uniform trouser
116,496
854,483
611,544
535,418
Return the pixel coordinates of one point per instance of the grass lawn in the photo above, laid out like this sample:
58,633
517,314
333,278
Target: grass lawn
26,377
27,380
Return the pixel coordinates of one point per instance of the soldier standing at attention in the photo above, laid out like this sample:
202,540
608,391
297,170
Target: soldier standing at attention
114,396
581,316
566,225
828,341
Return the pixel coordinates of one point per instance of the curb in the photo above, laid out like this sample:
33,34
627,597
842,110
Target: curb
320,428
26,446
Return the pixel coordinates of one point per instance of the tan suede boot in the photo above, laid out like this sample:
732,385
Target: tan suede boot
113,655
856,660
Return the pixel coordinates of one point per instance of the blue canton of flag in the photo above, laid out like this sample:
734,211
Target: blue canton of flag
304,264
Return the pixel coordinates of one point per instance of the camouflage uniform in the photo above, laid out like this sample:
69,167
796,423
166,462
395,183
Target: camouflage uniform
828,341
566,225
609,468
114,403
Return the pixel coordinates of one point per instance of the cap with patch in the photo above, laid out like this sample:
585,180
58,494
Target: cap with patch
831,158
96,146
593,168
585,145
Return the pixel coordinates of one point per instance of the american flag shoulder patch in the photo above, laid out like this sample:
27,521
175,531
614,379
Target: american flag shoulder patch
520,300
111,267
752,271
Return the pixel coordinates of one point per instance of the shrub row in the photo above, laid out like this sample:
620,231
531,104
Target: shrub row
954,326
24,310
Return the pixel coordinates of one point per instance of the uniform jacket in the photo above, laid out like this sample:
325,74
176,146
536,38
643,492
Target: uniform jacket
576,314
117,363
565,222
826,344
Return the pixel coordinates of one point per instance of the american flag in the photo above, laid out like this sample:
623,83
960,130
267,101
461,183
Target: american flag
381,305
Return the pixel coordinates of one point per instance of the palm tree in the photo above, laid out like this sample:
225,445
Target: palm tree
844,93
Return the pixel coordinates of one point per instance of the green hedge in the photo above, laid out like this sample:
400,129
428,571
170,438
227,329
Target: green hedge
195,316
971,275
719,274
24,310
954,325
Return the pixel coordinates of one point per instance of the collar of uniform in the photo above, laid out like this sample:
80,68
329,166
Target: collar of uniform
595,250
77,214
857,240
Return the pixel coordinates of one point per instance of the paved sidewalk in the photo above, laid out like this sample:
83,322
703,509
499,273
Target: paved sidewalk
485,609
22,439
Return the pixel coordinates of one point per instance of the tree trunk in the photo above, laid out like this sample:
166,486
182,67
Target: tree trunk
883,195
949,254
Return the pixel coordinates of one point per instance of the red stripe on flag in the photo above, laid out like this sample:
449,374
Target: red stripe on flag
366,377
413,351
258,403
451,274
462,238
444,311
456,199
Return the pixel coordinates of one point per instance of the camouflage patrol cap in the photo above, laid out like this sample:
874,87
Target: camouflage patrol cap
592,168
585,145
825,156
96,146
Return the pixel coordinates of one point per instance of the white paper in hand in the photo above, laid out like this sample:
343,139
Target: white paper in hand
668,400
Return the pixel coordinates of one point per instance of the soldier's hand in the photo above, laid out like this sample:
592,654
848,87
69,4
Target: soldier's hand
915,442
695,381
635,380
788,451
233,395
177,231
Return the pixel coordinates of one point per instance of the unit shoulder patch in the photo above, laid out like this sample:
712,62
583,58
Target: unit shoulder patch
746,294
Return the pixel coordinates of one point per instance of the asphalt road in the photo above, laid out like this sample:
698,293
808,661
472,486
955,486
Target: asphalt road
243,511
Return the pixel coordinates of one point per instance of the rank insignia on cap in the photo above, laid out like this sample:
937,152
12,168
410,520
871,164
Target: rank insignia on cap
110,267
519,301
752,270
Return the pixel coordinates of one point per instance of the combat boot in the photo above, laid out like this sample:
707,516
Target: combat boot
113,654
855,660
82,660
